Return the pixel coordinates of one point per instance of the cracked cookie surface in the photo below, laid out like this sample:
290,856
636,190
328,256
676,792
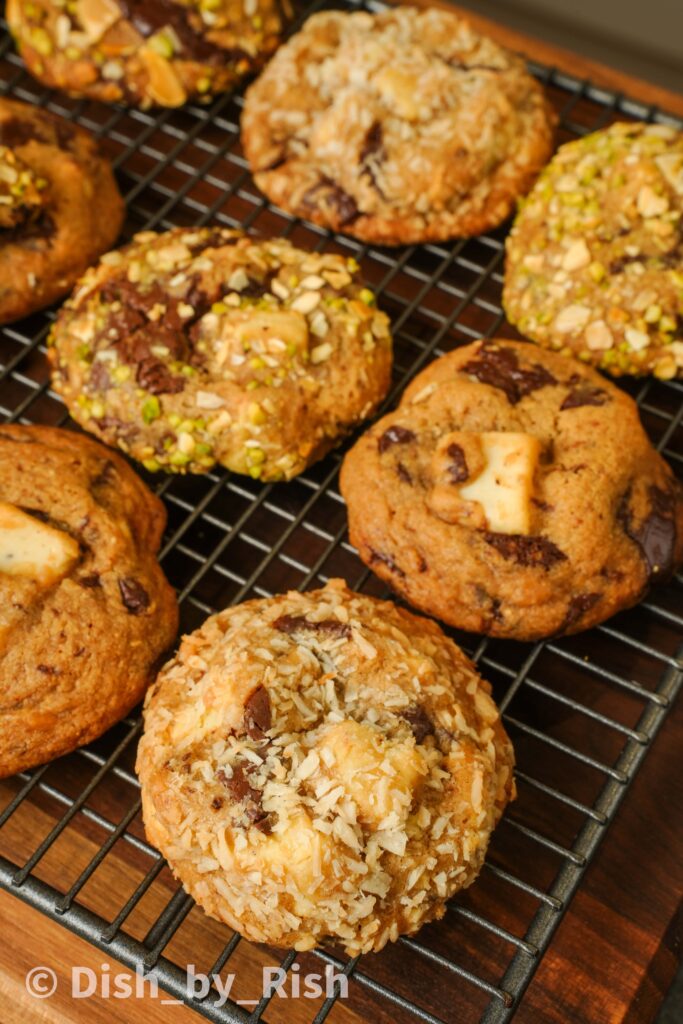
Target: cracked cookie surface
59,207
85,610
594,262
322,766
403,126
204,346
145,52
514,492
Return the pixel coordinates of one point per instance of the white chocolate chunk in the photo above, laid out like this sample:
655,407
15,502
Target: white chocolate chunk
504,488
378,778
33,549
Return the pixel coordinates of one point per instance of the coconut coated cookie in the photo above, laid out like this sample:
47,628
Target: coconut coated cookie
595,258
204,346
59,207
85,611
322,766
144,52
403,126
514,492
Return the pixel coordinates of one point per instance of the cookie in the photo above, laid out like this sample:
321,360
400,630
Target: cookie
514,492
59,207
322,766
85,610
151,53
595,258
403,126
204,346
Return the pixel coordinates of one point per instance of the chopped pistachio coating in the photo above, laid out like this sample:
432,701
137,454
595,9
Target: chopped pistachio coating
205,346
595,257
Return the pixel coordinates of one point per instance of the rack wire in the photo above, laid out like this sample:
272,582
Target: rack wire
582,711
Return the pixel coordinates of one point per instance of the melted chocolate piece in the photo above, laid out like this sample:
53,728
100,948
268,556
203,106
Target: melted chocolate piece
156,378
15,132
528,551
295,623
656,535
90,582
395,435
499,367
373,152
419,721
585,394
328,192
578,606
134,596
149,16
457,467
377,556
39,228
403,474
257,714
217,803
242,792
619,265
49,670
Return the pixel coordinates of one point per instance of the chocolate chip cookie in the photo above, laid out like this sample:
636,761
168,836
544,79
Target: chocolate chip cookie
59,207
514,492
322,766
204,346
85,611
595,258
402,126
145,52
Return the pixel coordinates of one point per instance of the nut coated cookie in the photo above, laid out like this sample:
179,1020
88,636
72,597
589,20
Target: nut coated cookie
322,766
144,52
595,258
85,611
206,346
514,492
403,126
59,207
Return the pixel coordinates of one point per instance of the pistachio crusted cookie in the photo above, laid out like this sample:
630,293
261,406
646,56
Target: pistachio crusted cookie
145,52
514,492
322,766
402,126
204,346
595,257
85,610
59,207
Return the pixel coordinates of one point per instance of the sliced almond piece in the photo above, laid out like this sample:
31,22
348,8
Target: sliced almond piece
164,86
96,16
33,549
671,166
290,326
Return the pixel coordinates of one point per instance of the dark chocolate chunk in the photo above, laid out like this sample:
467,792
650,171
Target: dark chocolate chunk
217,803
457,467
583,394
499,367
656,535
242,792
403,474
149,16
90,582
578,606
99,377
328,193
372,153
377,556
528,551
419,721
395,435
257,714
618,265
134,596
296,623
156,378
49,670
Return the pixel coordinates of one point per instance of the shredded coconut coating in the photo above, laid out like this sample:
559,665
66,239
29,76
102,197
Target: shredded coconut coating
595,258
322,766
403,126
205,345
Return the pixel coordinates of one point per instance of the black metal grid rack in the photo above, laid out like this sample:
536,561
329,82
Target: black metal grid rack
582,711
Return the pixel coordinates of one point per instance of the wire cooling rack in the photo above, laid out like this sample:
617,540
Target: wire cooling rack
581,711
